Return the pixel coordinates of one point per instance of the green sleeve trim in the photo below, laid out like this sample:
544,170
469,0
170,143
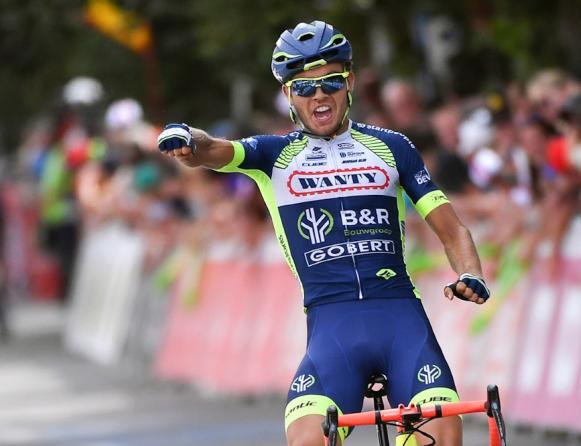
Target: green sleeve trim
401,213
430,201
237,159
311,405
435,395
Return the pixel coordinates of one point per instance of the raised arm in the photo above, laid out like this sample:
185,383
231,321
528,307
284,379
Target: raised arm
461,253
194,147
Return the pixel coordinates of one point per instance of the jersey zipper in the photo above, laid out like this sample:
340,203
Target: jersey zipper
330,147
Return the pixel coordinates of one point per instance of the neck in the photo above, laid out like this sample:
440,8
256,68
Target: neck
340,130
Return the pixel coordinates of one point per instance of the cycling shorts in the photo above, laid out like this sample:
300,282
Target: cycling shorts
349,341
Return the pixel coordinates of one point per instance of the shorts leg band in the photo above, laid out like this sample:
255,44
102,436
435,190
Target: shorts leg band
436,395
310,405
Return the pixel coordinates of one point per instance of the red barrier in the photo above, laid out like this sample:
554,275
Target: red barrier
247,334
238,337
45,277
28,271
479,341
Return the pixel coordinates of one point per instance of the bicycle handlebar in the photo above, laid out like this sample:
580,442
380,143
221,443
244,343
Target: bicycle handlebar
412,413
405,417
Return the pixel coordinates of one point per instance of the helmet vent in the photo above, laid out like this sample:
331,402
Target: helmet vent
295,64
306,36
338,40
280,58
329,53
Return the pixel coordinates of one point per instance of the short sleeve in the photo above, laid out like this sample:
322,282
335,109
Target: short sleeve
255,153
415,178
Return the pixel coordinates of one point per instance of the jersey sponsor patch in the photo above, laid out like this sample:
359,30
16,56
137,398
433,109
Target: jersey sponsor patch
315,224
316,154
360,178
345,146
386,273
314,164
423,176
252,142
351,153
340,250
365,217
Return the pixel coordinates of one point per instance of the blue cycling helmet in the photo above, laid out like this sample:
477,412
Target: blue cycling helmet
307,46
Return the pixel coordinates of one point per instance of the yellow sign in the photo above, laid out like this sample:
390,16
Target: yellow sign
122,26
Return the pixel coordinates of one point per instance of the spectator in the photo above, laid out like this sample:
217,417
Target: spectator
3,297
405,110
548,90
369,106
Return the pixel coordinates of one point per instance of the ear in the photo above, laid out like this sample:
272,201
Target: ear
285,90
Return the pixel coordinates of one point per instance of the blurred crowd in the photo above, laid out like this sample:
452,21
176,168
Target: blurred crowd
509,159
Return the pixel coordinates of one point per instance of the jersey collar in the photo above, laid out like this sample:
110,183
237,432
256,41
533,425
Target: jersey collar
340,137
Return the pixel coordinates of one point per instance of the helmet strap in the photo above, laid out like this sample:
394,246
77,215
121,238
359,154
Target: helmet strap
349,102
293,112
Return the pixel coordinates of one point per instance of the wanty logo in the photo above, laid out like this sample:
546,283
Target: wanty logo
429,373
310,183
316,223
302,383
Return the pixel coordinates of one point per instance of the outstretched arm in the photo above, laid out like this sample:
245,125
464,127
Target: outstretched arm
194,147
459,248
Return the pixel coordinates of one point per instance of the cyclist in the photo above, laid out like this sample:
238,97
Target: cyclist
334,189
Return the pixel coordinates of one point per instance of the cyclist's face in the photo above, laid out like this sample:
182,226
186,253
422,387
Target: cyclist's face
322,113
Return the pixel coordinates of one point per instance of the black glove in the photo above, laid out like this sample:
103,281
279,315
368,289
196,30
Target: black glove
475,283
175,136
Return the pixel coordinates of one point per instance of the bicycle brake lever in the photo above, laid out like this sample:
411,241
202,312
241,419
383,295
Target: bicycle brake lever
493,411
331,426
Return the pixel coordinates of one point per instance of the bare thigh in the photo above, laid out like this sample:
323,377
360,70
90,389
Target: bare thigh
306,431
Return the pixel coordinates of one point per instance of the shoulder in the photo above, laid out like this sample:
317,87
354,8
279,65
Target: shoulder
262,151
386,135
258,142
396,141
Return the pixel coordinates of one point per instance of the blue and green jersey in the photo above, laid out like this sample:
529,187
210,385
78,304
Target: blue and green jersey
337,207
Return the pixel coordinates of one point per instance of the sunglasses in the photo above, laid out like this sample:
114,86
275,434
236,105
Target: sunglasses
307,86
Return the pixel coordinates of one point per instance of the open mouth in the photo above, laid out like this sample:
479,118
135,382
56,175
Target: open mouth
323,114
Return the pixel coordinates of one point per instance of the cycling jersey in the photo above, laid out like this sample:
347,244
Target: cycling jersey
337,207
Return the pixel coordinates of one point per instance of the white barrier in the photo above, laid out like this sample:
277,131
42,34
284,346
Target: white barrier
107,277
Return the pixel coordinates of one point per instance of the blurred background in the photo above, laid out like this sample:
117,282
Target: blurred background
145,303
